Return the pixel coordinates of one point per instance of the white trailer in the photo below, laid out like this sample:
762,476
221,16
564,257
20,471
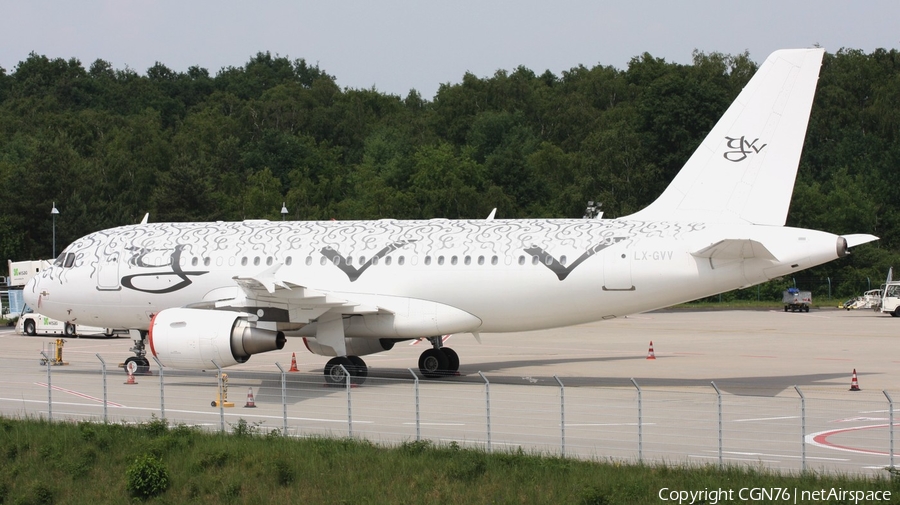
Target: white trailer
796,301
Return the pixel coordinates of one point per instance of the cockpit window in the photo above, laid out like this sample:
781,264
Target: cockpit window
59,260
70,260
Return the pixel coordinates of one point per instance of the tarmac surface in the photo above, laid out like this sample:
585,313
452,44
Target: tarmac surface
757,387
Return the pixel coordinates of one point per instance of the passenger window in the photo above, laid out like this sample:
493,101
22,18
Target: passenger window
427,260
244,261
256,261
308,260
562,260
401,260
453,260
387,260
206,261
481,260
494,260
534,260
194,261
468,260
269,261
521,260
323,260
218,261
440,260
289,260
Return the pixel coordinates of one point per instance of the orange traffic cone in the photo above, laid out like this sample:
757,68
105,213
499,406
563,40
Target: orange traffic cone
251,403
130,378
294,363
650,354
854,384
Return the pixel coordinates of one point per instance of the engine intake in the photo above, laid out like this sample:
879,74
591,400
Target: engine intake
194,338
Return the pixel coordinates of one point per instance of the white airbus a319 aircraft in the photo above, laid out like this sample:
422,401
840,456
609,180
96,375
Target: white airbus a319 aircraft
198,293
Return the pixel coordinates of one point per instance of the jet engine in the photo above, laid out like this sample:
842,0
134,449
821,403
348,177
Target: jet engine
194,338
356,346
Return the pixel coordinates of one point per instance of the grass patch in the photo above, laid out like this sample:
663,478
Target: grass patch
68,463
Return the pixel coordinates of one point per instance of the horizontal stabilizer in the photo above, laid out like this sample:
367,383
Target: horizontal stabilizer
859,239
736,249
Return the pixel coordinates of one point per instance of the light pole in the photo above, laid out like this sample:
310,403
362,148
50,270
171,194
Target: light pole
284,210
53,213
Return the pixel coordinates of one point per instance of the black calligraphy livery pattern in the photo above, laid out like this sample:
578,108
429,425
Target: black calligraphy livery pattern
164,248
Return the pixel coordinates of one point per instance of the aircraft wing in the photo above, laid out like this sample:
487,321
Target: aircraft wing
735,249
302,303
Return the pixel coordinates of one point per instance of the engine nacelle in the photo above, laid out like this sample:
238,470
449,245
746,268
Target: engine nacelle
355,346
194,338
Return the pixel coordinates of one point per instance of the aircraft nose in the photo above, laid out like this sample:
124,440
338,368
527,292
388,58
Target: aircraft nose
31,291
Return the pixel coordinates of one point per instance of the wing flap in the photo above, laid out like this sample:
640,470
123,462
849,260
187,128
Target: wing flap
267,289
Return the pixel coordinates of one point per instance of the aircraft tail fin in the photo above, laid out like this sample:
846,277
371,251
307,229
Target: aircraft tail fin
744,171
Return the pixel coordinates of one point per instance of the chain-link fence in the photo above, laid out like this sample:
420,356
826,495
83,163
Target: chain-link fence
794,429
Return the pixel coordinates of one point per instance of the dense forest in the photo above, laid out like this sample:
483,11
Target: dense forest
109,145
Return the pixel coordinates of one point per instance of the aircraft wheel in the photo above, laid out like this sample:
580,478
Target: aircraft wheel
433,363
334,375
69,329
143,365
452,359
360,371
29,327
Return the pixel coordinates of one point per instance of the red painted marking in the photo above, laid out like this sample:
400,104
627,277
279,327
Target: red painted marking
150,334
822,438
80,395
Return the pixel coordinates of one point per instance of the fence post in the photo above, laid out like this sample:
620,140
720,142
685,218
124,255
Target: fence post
103,375
349,406
418,420
283,401
890,423
802,430
487,399
719,395
49,388
640,423
562,414
221,397
162,391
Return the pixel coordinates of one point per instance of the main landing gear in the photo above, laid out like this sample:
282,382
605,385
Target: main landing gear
439,361
336,370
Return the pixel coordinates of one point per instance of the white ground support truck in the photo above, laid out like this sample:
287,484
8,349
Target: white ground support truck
32,323
890,298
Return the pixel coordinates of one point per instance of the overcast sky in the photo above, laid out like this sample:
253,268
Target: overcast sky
398,45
